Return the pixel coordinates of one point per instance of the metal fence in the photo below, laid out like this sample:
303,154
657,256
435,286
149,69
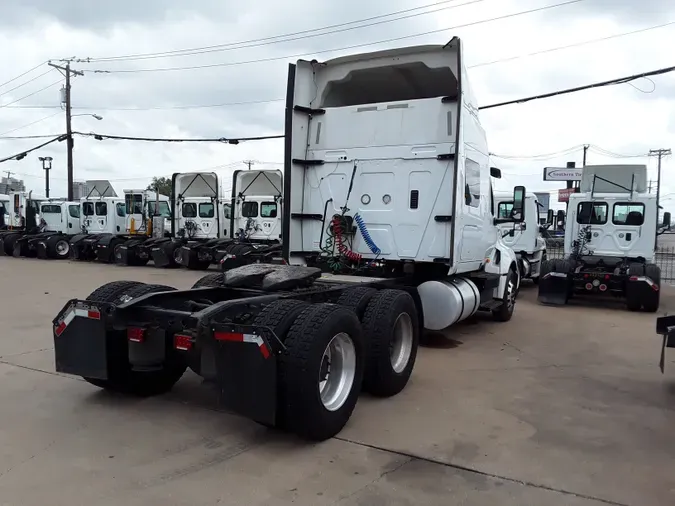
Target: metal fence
665,258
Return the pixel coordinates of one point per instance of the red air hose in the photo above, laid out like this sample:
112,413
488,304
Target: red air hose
344,250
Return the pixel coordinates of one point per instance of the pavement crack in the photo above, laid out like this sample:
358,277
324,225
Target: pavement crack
25,353
467,469
375,480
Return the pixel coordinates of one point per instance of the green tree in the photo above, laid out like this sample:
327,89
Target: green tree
163,184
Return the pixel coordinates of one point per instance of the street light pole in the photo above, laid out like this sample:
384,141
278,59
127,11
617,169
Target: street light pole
46,166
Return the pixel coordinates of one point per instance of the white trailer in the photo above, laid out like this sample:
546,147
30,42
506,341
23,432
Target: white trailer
525,238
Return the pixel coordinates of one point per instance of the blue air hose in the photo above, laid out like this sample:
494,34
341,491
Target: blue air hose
366,235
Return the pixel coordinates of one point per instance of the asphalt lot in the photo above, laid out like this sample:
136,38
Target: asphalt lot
560,406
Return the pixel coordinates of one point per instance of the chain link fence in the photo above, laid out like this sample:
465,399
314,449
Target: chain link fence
665,257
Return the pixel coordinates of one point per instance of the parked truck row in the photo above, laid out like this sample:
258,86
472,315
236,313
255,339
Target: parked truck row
195,227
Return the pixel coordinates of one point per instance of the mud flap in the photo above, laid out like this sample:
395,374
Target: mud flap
554,288
665,326
162,254
246,371
80,341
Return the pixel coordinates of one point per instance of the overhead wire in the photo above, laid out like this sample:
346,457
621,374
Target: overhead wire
225,140
31,94
27,82
305,34
22,154
611,82
266,101
29,124
354,46
23,74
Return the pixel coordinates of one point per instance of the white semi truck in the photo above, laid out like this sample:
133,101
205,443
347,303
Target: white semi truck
117,229
610,240
388,228
245,229
525,238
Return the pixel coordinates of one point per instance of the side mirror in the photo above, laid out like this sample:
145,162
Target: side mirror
495,173
666,219
549,217
518,211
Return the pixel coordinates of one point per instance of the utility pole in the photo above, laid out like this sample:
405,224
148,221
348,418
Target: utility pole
9,175
249,163
660,153
46,166
67,72
586,146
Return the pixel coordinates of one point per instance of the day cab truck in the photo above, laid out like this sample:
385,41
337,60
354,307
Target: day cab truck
388,229
59,220
610,239
200,222
246,229
116,230
22,219
525,238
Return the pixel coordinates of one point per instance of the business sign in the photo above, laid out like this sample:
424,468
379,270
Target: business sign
562,174
545,200
564,194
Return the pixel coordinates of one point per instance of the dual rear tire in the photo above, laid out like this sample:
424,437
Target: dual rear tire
367,341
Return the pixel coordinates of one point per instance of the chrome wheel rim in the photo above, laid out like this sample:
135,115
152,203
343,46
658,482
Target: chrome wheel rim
402,343
117,252
337,371
177,256
62,248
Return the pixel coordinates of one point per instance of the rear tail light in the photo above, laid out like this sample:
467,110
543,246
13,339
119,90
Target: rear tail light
607,276
633,278
589,286
182,342
136,334
603,288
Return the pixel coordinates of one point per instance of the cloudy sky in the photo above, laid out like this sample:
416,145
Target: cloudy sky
226,91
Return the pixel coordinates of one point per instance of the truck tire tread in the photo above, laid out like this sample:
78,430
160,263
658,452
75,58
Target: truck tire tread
299,363
214,280
379,319
356,299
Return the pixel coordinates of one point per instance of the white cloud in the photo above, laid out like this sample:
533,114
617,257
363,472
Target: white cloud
620,119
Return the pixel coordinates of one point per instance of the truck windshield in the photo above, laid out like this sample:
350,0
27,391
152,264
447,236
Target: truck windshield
163,209
268,210
249,209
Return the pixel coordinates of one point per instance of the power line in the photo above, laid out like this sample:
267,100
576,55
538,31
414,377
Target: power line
29,124
25,83
225,140
267,101
601,84
354,46
23,74
22,154
305,34
30,94
576,44
19,137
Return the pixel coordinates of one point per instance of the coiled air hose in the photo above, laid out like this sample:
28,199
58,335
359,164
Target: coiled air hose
366,236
